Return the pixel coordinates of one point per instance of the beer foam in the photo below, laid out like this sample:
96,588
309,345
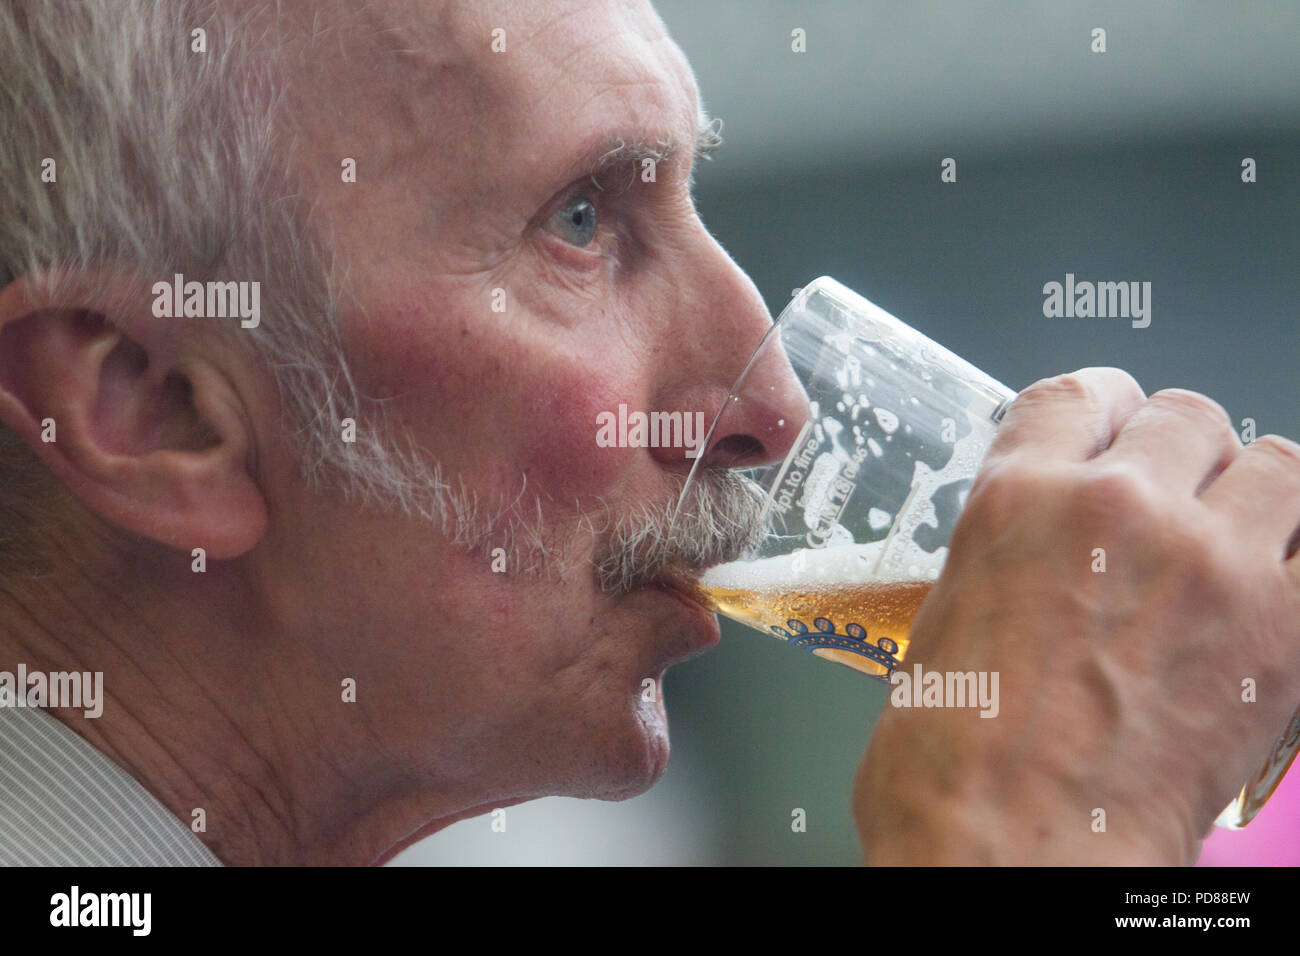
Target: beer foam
819,568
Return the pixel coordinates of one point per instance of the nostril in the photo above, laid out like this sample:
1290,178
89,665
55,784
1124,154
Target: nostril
735,451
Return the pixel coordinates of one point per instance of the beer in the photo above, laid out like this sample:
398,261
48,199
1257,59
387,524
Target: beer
832,602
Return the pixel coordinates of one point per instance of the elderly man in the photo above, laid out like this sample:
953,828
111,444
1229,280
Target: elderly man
353,565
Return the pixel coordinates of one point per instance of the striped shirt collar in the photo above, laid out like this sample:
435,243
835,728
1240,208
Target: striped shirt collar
63,803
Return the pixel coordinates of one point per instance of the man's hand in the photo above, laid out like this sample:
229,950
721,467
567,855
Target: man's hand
1121,690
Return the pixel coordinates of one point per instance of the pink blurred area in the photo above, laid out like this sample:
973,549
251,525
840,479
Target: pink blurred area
1271,839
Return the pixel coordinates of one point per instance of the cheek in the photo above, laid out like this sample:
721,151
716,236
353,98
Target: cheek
559,452
486,403
438,378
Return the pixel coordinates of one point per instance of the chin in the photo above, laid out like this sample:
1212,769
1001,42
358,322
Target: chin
632,760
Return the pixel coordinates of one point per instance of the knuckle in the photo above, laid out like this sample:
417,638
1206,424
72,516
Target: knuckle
1126,381
1069,387
1116,382
1194,405
1283,451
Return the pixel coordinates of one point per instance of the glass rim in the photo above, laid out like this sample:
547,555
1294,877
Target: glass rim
795,304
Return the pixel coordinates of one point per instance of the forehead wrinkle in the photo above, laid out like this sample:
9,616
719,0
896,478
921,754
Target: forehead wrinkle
619,72
398,73
370,34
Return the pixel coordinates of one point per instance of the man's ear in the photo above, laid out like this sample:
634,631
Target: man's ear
151,440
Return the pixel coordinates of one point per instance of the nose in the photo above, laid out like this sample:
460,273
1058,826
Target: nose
764,414
749,419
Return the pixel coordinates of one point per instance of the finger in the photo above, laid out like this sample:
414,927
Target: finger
1070,417
1259,493
1181,439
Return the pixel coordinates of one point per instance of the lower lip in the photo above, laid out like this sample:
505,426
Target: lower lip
706,629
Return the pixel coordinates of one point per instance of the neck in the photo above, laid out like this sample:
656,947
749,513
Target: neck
208,704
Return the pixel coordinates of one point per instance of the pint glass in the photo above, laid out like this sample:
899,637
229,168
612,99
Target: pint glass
859,512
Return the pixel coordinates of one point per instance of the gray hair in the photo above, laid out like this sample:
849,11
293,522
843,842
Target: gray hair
166,162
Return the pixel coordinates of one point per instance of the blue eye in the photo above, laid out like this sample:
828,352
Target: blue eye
576,221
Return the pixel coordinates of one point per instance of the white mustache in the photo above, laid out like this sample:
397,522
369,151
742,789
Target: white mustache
720,521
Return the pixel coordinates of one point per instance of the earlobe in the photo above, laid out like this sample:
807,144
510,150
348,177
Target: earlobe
147,437
231,511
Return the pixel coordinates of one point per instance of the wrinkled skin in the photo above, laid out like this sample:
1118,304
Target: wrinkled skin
477,689
1122,690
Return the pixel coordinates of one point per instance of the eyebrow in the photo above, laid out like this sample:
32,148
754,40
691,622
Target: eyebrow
617,151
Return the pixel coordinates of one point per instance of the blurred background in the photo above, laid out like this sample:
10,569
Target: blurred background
1116,166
